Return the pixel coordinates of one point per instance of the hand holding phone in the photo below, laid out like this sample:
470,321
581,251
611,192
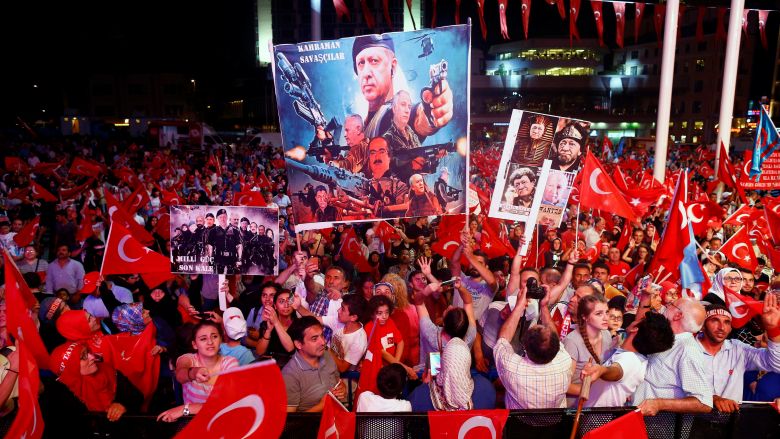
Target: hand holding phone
435,359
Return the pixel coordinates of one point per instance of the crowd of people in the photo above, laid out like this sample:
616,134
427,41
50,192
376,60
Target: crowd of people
424,331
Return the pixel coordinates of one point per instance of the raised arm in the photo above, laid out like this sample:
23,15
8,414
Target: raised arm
510,325
557,291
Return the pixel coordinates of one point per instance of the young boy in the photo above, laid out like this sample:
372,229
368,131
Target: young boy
390,382
235,329
349,343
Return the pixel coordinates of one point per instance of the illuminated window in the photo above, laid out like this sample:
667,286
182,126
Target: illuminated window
699,65
698,125
684,124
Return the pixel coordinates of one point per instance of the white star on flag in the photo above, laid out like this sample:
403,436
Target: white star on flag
635,202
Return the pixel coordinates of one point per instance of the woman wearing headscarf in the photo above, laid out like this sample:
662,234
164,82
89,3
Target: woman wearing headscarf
727,279
95,383
51,309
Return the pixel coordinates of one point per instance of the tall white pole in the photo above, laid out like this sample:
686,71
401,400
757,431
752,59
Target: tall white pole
316,20
665,92
729,77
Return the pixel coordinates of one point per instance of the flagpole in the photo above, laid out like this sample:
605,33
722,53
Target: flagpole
665,90
729,78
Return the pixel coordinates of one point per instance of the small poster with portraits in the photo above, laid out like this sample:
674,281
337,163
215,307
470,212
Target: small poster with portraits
224,240
541,157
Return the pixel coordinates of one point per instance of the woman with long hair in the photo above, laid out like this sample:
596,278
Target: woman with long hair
405,318
197,372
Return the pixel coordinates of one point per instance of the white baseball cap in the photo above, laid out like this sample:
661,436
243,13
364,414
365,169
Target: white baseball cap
235,324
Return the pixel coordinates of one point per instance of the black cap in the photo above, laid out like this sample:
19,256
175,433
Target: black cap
209,215
574,131
221,212
366,41
244,220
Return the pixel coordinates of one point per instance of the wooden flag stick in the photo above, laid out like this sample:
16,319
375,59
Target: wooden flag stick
584,395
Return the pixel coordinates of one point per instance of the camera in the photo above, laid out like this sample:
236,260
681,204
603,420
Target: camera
533,290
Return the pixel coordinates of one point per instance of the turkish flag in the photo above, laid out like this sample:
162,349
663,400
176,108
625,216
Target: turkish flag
481,13
136,361
739,250
27,234
336,421
46,168
138,199
706,171
492,244
448,235
502,4
628,426
67,194
670,251
16,164
169,198
155,279
727,175
341,9
699,214
246,402
468,424
620,22
742,308
19,304
18,194
772,217
599,16
525,8
386,233
263,182
118,215
28,422
352,252
127,175
598,191
85,227
40,193
574,11
659,13
250,198
763,14
163,227
84,167
742,216
638,14
124,254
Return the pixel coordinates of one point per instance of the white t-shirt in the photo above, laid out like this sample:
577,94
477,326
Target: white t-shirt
372,403
615,393
349,347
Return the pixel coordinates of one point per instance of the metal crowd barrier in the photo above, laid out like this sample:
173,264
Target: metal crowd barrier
752,421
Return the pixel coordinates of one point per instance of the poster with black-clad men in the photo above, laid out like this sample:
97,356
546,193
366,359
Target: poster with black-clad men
224,240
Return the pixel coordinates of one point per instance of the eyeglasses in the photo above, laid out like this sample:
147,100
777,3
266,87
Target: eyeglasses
732,279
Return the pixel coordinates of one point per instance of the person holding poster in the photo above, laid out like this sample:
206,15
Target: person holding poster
569,143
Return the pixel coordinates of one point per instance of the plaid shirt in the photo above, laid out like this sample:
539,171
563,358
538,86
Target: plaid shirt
530,385
320,307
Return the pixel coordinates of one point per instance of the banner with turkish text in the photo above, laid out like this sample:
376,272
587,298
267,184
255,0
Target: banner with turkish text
770,173
224,240
375,126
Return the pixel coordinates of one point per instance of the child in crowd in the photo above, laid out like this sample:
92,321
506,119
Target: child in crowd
349,343
385,338
235,330
390,382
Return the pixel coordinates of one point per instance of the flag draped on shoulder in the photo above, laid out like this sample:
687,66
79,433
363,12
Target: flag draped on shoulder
247,402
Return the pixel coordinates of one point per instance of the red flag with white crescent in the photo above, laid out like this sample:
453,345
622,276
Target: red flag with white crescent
630,425
118,215
449,235
352,252
40,193
599,17
620,22
124,254
138,199
336,421
639,9
46,168
250,198
246,402
386,233
526,13
700,213
742,216
481,12
19,305
745,14
772,216
85,168
28,422
561,7
598,191
763,15
502,18
467,423
574,12
659,13
16,164
739,250
341,9
742,308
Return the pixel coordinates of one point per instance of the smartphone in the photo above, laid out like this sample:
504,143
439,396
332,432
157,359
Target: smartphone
435,358
449,282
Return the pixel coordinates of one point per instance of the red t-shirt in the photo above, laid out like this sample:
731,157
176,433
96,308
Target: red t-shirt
619,269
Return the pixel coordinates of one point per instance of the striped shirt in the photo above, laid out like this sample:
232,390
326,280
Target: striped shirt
680,372
195,392
530,385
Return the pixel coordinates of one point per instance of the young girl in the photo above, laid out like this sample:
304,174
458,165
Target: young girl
197,372
592,339
384,341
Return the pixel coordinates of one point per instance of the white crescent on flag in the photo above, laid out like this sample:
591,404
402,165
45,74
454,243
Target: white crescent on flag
475,422
253,402
121,250
693,218
594,182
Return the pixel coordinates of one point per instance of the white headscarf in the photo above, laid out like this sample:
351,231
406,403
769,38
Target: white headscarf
452,388
717,283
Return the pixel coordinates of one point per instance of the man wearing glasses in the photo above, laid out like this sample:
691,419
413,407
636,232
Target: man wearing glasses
677,380
729,359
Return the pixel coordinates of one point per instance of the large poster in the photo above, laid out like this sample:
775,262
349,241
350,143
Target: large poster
522,188
375,126
770,175
224,240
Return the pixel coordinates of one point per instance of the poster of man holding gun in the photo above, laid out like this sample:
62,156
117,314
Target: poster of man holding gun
361,117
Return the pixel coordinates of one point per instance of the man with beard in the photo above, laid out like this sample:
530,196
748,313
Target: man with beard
375,65
478,279
532,150
224,245
568,147
729,359
422,202
400,135
197,235
385,187
210,226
